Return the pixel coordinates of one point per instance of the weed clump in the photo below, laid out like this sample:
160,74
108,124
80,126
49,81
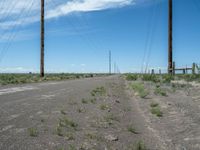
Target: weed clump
131,77
160,91
139,88
99,91
155,109
33,132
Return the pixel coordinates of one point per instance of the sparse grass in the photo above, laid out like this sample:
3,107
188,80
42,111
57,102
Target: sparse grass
33,132
69,136
71,102
139,88
157,111
59,131
104,107
140,146
99,91
131,129
127,109
63,112
72,147
84,101
93,100
91,136
152,78
160,91
81,110
65,122
33,78
167,78
110,118
131,77
154,104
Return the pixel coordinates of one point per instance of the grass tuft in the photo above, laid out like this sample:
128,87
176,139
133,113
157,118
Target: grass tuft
33,132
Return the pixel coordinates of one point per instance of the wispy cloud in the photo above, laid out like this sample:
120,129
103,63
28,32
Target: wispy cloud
15,12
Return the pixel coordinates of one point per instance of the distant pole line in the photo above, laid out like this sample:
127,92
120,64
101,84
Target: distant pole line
110,59
170,38
42,40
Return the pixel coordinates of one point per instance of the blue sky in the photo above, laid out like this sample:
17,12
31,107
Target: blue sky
79,34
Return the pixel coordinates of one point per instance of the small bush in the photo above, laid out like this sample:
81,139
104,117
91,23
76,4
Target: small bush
153,104
131,77
140,146
33,132
156,111
138,87
159,91
153,78
84,101
99,91
131,129
65,122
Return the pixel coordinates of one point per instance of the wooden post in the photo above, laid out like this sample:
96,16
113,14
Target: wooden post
174,68
193,68
170,36
42,40
152,71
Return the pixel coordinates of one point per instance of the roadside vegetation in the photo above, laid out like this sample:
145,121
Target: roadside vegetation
156,110
34,78
139,89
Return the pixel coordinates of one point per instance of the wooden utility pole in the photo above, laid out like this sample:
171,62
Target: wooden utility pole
42,40
170,40
110,62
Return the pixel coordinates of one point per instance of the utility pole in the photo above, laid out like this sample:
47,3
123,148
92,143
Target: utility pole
170,40
110,62
42,40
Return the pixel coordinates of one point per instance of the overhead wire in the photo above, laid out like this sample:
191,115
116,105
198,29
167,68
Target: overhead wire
14,33
156,16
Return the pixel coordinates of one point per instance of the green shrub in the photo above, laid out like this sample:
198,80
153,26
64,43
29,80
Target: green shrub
160,91
153,78
156,111
131,77
138,87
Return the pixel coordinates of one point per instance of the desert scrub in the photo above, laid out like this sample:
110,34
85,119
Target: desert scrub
59,131
167,78
93,100
65,122
63,112
131,77
131,129
140,146
152,78
110,118
84,101
99,91
104,107
33,132
160,91
139,88
69,136
155,109
154,104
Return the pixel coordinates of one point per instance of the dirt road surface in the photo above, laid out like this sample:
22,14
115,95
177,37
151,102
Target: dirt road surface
97,113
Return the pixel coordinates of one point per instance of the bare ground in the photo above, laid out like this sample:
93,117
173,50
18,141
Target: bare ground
74,115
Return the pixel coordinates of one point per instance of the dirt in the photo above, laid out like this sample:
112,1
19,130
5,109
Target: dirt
178,128
98,113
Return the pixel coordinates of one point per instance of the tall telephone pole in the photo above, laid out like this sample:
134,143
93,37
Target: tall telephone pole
110,62
42,40
170,40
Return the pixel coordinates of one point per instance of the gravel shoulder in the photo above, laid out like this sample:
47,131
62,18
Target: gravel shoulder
178,127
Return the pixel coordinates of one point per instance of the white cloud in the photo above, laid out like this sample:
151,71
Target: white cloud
15,12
